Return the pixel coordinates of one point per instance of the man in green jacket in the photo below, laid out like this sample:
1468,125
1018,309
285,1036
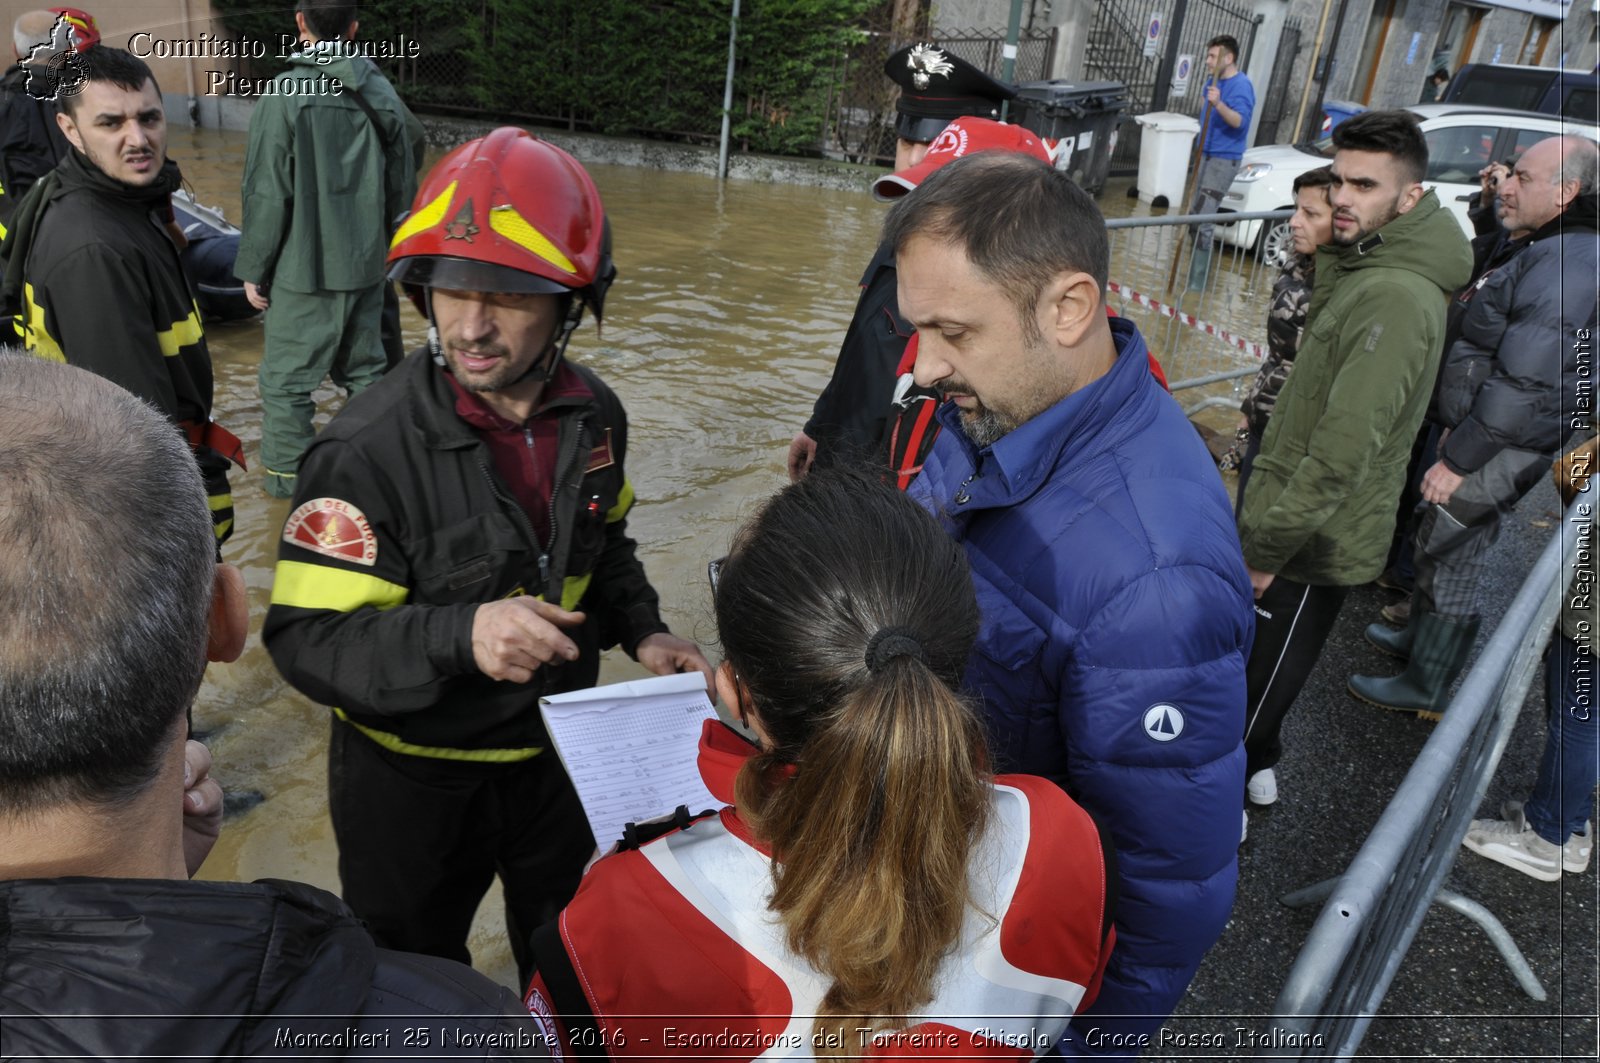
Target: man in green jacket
331,164
1333,459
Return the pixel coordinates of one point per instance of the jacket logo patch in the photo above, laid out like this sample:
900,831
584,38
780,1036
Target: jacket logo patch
1374,334
1163,723
544,1017
333,528
601,457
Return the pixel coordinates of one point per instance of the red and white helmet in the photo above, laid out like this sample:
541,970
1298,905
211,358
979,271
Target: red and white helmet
507,213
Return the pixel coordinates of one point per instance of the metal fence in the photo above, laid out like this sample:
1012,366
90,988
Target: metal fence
1206,329
860,126
1373,911
1276,101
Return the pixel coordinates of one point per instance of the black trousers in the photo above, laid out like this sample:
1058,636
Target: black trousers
1292,625
421,839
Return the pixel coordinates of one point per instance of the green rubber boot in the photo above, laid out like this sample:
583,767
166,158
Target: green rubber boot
1439,649
1396,642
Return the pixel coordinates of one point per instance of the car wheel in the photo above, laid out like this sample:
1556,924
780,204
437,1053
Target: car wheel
1275,244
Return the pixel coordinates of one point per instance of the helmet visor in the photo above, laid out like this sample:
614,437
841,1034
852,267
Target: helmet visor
470,275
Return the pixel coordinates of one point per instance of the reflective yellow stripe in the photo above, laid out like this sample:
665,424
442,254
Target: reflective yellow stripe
432,214
395,744
573,589
514,227
304,586
624,503
34,336
182,333
218,503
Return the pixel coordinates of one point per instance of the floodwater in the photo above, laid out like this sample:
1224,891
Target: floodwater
719,333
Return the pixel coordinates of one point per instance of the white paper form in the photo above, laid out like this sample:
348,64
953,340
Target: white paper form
631,749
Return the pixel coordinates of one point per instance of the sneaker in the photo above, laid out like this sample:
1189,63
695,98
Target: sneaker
1244,827
1262,789
1575,853
1399,613
1515,844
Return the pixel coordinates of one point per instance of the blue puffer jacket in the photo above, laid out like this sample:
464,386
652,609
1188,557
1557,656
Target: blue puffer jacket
1117,617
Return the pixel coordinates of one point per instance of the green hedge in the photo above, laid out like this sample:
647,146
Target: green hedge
615,66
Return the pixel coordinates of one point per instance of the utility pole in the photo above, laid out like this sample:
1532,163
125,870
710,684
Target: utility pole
727,93
1008,68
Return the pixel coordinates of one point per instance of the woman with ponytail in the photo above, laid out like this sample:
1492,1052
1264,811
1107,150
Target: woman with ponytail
873,890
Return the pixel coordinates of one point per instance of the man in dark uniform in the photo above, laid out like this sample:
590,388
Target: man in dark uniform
31,144
848,421
459,548
95,276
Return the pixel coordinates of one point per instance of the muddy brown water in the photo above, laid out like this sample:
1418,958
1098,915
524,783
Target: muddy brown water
721,330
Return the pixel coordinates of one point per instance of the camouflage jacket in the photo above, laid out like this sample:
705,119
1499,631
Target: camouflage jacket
1286,319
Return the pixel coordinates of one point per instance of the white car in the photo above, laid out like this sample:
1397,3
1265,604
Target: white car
1462,139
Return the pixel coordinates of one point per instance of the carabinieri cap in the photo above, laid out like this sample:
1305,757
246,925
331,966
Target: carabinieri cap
936,88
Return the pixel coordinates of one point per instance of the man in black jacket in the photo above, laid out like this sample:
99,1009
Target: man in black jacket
113,604
30,141
94,275
459,548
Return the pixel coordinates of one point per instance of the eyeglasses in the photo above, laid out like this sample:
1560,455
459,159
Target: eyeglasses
714,573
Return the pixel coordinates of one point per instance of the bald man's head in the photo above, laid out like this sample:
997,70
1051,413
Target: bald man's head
1547,178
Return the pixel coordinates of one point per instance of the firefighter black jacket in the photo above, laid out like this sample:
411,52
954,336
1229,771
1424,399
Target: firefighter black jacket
402,528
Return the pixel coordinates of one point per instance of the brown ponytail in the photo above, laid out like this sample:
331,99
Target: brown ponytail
876,789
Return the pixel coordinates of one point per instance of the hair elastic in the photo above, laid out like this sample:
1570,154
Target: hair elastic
892,642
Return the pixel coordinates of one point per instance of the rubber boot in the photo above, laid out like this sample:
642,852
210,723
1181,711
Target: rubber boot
1199,269
1396,642
1439,649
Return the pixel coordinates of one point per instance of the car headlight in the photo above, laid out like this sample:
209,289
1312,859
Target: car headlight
1253,171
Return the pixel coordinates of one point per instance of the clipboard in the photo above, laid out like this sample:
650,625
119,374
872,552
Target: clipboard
632,749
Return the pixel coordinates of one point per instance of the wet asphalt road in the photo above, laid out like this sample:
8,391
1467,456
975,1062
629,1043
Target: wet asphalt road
1452,998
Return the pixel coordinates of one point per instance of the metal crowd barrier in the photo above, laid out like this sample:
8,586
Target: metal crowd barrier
1374,909
1207,338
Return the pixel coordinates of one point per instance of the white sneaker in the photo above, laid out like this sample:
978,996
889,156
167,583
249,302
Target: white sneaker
1244,827
1578,848
1262,789
1515,844
1575,853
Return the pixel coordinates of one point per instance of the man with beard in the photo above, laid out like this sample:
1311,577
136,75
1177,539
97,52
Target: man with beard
458,549
1321,507
1116,608
93,273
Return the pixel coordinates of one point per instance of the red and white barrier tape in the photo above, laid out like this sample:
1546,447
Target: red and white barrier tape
1255,350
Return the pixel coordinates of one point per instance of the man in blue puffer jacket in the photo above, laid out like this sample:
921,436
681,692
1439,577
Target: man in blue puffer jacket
1116,608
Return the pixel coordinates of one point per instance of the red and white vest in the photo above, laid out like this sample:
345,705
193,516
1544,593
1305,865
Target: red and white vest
678,954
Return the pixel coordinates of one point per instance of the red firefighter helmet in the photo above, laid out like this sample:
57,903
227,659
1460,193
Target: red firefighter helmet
507,213
82,33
